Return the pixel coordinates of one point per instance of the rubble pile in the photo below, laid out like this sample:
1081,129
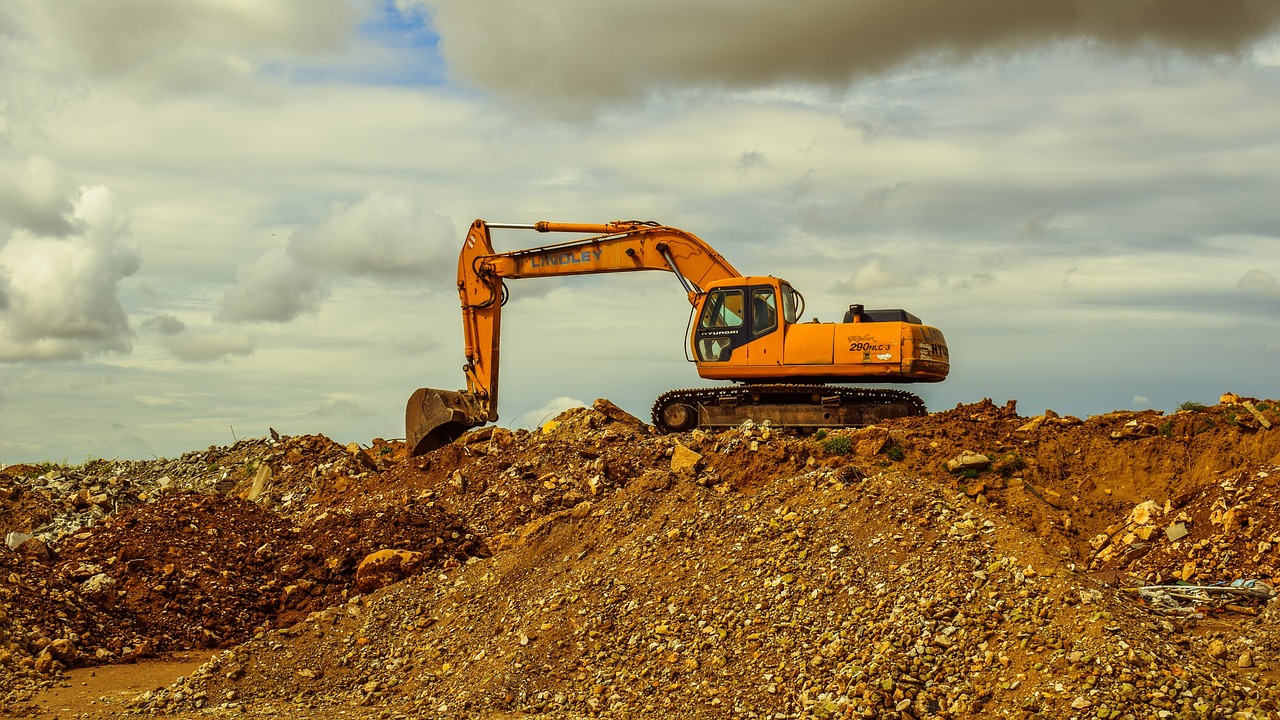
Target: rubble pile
972,563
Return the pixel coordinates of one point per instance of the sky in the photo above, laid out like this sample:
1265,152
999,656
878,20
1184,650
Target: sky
223,216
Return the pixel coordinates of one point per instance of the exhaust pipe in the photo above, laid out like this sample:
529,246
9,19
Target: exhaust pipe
435,418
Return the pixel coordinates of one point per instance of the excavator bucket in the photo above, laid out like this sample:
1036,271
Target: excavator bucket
435,418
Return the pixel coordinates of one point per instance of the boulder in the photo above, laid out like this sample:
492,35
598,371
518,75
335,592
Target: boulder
684,460
385,567
968,460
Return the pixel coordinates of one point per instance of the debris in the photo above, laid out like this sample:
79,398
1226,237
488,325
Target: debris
579,573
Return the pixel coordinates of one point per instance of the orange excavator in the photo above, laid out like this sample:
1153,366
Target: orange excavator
743,329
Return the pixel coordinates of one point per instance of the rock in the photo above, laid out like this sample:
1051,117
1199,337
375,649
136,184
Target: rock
1176,531
870,441
362,456
259,486
385,567
1217,650
44,662
1246,659
100,589
1033,425
684,460
968,460
616,414
34,548
14,539
64,651
1143,513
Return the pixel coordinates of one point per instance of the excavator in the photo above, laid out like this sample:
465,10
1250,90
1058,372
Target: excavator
744,329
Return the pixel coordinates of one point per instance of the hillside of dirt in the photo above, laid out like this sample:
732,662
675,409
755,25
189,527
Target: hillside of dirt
971,563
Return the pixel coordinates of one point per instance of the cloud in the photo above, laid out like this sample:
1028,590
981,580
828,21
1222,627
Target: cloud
341,408
165,324
1261,283
60,292
199,345
35,196
555,406
603,53
873,275
386,234
208,345
1141,401
419,344
272,288
155,47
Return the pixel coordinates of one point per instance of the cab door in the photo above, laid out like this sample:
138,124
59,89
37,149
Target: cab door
764,338
723,326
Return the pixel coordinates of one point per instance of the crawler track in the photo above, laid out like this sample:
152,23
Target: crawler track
785,405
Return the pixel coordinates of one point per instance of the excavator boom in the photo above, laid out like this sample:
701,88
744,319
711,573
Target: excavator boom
434,418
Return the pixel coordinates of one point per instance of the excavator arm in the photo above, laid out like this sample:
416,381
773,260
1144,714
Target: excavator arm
434,418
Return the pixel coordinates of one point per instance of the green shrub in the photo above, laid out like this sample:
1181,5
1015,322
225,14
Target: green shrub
1008,464
1191,405
820,434
895,453
837,445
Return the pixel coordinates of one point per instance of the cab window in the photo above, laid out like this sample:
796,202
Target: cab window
764,310
724,309
789,304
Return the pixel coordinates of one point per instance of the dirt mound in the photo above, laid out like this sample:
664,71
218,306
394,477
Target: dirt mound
971,563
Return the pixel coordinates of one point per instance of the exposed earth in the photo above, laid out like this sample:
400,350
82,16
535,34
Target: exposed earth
972,563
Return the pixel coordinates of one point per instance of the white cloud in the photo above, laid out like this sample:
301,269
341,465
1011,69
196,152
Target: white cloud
385,234
272,288
539,416
1261,283
206,345
872,276
1141,401
341,407
60,293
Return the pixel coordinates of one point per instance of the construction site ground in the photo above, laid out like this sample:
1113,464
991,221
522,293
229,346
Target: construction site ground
971,563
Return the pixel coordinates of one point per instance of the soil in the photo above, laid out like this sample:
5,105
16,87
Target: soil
593,568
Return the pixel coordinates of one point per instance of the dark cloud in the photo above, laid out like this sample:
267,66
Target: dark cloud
34,195
165,324
156,46
579,54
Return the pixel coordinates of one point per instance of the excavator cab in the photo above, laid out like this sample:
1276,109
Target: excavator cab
735,316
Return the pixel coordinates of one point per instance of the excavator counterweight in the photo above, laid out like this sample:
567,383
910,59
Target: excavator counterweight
746,330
